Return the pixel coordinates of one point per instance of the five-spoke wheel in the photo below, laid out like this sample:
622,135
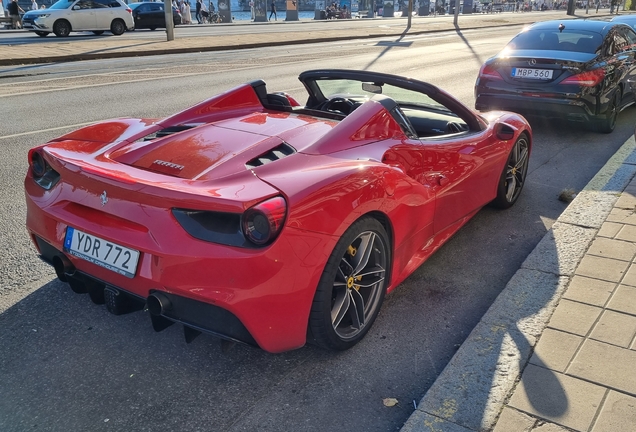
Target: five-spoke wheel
514,174
352,287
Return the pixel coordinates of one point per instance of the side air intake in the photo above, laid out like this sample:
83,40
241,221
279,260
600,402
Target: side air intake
274,154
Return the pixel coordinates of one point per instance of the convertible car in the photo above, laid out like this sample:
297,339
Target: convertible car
260,220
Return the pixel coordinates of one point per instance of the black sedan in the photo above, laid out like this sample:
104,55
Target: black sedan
151,15
581,70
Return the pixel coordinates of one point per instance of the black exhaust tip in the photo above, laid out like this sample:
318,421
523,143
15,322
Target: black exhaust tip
63,267
158,303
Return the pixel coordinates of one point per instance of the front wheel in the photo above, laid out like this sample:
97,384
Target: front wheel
62,28
514,174
117,27
352,287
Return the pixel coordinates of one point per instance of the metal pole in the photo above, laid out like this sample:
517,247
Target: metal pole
456,12
408,25
167,9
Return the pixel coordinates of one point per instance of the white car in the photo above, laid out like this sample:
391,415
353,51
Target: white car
68,16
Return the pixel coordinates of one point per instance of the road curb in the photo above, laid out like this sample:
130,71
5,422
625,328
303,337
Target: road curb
471,391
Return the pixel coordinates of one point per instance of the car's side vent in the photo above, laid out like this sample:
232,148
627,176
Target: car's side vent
167,131
274,154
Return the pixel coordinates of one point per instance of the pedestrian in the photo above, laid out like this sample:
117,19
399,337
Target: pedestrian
272,11
188,12
197,14
34,5
14,12
204,12
252,9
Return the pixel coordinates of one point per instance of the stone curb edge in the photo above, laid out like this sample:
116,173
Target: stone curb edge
470,393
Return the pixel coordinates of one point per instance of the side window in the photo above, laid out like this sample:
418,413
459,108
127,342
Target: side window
83,4
630,36
155,7
100,4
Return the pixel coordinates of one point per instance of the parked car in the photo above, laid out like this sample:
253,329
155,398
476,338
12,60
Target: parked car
581,70
259,220
66,16
151,15
625,19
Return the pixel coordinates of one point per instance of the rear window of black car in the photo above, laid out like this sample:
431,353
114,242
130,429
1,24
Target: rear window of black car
572,40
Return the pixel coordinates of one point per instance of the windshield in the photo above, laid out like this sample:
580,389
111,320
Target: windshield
353,88
62,4
568,40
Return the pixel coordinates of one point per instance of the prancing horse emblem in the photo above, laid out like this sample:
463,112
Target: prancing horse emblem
104,198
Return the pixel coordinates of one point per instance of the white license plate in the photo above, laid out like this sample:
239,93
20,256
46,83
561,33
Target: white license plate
532,73
102,252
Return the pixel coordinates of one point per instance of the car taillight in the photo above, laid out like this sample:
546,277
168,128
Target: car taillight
129,10
489,71
263,222
586,79
41,171
37,163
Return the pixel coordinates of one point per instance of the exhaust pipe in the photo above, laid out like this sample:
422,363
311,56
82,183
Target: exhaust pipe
62,267
158,303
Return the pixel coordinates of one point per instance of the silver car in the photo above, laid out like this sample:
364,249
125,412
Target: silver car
68,16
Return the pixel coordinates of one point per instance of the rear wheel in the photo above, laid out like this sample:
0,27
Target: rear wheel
62,28
42,34
352,287
98,32
607,122
117,27
514,174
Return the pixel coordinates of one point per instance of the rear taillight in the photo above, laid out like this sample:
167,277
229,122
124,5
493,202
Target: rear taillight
129,10
41,171
37,163
586,79
263,222
489,71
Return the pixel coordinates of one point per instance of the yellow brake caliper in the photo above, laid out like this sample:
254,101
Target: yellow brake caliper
350,282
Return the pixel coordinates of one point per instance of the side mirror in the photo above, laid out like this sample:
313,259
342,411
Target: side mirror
504,132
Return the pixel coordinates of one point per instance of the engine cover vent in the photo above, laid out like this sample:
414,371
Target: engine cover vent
274,154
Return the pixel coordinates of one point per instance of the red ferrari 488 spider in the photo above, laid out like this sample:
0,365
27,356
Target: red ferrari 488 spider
260,220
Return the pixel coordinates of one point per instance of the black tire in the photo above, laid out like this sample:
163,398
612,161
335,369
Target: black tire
62,28
606,123
42,34
513,176
98,32
117,27
344,309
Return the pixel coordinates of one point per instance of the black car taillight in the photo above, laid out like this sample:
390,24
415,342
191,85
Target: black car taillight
586,79
489,71
263,222
42,172
257,227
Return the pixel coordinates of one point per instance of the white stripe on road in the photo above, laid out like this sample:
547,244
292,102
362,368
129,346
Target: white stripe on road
73,126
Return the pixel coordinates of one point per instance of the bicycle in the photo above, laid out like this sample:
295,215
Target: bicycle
207,18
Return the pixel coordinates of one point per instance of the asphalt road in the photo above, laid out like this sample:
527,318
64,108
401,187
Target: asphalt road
68,365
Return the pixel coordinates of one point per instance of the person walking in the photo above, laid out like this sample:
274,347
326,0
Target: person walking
14,12
273,11
197,14
188,12
34,5
204,12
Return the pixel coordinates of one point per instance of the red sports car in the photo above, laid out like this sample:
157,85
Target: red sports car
260,220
